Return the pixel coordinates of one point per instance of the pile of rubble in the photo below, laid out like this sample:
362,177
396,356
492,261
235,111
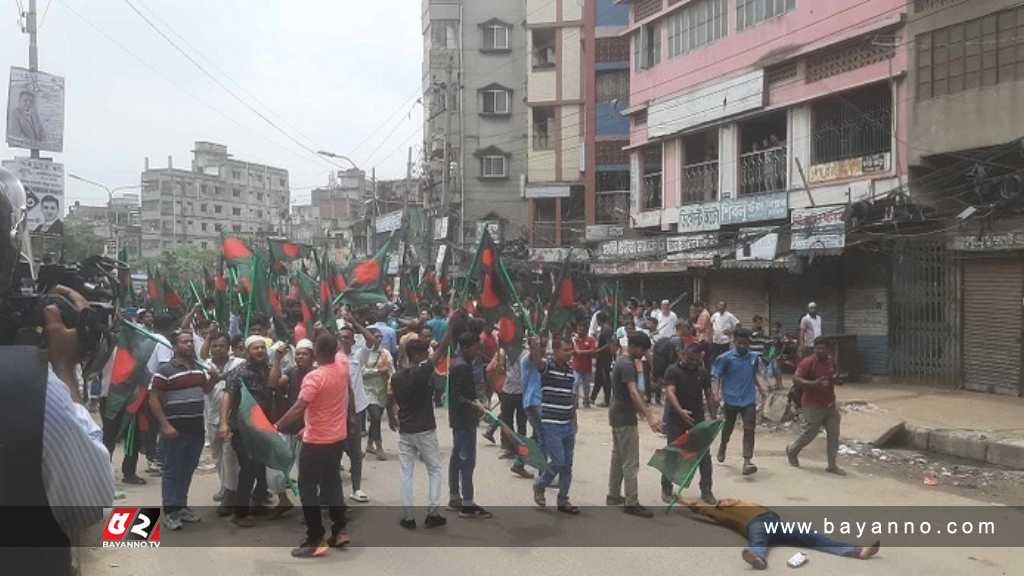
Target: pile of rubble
932,472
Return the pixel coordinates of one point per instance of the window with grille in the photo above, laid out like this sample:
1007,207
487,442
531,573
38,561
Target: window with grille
496,37
647,46
496,102
696,25
752,12
494,167
544,48
980,52
543,128
444,34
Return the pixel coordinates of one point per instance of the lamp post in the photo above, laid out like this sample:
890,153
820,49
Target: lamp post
110,201
325,153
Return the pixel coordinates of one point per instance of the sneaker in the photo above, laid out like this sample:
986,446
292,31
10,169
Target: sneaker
370,449
791,456
538,496
836,470
521,471
614,500
475,512
721,453
243,521
187,516
638,511
708,498
435,521
310,549
489,435
749,468
755,561
219,496
133,480
667,496
170,522
339,539
359,496
455,504
381,455
407,523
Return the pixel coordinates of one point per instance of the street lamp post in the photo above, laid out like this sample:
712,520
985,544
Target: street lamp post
110,201
327,154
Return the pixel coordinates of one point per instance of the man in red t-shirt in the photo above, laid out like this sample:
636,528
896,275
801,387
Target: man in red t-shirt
584,348
816,375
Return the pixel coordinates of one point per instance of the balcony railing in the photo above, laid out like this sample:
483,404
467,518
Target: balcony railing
763,171
700,182
650,194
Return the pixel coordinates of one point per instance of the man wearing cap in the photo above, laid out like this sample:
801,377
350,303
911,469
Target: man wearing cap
255,376
666,320
810,329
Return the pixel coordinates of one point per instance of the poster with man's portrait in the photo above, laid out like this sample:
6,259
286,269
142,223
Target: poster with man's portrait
35,111
43,181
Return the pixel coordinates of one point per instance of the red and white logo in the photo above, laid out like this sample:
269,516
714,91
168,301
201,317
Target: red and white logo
132,528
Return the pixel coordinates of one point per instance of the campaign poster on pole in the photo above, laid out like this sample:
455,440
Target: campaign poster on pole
35,110
44,192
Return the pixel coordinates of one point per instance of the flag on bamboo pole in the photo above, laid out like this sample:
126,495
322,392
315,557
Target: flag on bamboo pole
282,250
222,307
680,461
489,284
259,437
562,308
366,280
154,289
171,298
526,449
126,369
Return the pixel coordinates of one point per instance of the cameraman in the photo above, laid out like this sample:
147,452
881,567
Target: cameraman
56,477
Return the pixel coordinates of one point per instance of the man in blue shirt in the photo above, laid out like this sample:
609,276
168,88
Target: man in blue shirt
531,382
736,380
388,336
439,324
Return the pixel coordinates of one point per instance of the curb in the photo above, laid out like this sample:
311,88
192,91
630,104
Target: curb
967,444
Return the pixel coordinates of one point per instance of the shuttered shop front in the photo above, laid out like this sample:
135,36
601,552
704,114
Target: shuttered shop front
993,324
744,291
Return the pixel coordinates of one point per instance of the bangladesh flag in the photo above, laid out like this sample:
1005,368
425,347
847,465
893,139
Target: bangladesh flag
220,295
235,251
126,370
495,295
171,298
154,290
680,461
562,309
282,250
262,442
366,280
526,449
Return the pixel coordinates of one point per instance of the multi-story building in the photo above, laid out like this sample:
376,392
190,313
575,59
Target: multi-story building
754,124
218,195
475,133
966,138
118,225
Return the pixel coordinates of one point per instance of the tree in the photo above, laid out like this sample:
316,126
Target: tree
182,263
80,241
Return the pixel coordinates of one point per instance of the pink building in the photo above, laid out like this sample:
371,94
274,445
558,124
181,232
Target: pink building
733,98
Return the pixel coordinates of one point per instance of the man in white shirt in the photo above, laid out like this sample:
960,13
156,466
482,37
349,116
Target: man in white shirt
810,329
723,324
666,320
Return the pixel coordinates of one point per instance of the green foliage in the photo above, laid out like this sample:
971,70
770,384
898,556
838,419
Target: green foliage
80,241
183,263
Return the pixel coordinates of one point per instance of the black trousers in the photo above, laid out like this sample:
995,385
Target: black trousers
320,482
512,410
249,473
749,416
671,434
602,381
129,465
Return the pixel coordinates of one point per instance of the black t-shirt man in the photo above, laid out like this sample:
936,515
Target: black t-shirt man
414,394
604,338
622,411
691,384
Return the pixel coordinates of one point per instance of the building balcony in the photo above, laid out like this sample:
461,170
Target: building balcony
700,182
650,192
763,171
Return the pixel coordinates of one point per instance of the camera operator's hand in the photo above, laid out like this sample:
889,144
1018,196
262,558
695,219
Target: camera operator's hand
62,341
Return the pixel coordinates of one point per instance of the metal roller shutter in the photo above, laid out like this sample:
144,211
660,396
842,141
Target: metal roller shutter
993,297
790,294
745,292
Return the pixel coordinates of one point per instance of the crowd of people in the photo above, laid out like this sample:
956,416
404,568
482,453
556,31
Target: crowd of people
332,389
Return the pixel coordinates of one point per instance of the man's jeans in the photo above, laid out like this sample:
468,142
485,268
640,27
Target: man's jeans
625,464
181,456
759,539
813,420
584,380
421,446
320,483
559,446
749,415
461,465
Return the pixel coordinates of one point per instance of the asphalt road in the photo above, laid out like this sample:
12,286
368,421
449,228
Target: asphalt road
776,485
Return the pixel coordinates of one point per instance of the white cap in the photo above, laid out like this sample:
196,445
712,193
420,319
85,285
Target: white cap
812,305
304,344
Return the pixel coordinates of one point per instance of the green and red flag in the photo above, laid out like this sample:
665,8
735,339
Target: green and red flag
526,449
154,289
259,437
494,294
282,250
365,284
235,251
562,308
222,307
680,461
171,298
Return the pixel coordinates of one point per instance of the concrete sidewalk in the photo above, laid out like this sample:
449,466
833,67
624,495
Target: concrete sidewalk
959,423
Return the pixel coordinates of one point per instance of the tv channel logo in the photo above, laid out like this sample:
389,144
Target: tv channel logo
132,528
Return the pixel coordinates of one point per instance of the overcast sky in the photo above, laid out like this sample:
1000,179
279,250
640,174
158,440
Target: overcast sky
329,72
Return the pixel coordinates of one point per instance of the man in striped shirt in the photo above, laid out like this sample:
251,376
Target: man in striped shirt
177,399
558,425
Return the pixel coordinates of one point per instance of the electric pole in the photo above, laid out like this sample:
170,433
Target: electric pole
33,46
445,184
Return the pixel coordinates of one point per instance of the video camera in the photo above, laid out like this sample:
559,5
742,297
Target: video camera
25,290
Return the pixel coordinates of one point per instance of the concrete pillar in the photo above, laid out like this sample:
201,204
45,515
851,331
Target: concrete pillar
799,141
728,160
634,182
